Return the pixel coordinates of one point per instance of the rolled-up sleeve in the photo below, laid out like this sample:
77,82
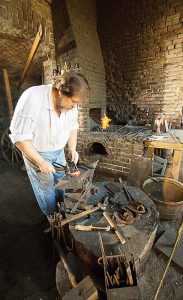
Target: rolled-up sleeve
24,118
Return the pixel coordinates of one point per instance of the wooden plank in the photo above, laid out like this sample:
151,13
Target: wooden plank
176,164
8,93
140,170
165,245
31,54
84,290
164,145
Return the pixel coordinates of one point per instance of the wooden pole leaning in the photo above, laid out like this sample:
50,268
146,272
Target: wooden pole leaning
8,93
31,55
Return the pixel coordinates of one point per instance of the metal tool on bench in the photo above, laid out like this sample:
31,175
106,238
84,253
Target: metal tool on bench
136,206
100,206
88,190
123,217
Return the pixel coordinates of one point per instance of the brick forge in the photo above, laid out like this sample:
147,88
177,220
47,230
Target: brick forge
113,151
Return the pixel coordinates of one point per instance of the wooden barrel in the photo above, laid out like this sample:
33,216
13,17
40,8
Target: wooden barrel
167,194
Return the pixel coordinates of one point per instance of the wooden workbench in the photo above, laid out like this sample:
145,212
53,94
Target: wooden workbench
171,140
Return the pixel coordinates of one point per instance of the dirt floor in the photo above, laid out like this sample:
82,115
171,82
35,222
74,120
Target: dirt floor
27,266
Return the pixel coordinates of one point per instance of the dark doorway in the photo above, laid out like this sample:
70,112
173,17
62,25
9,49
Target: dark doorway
98,148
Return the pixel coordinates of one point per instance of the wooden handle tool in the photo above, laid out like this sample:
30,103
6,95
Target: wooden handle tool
114,227
91,228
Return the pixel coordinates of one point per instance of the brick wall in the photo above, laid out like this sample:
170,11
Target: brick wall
143,53
19,22
78,42
120,151
24,16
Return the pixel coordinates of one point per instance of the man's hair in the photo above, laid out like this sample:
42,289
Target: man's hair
73,84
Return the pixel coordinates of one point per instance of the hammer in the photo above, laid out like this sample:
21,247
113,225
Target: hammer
99,206
114,227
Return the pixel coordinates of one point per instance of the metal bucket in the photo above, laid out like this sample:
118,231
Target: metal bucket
167,194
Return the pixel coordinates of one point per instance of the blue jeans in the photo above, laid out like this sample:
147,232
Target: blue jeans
43,185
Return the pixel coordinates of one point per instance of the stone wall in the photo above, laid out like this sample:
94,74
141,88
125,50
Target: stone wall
78,42
120,151
142,48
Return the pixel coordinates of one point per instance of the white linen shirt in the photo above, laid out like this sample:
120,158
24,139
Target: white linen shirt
35,120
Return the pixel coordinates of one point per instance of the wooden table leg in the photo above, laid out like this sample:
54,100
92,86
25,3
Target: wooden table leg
176,164
150,152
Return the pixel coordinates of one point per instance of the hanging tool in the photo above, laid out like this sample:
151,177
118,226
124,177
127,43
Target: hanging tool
114,227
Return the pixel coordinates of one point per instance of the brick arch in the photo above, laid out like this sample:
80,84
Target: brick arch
85,149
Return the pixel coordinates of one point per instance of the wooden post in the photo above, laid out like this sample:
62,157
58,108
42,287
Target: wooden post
8,93
150,152
176,164
31,55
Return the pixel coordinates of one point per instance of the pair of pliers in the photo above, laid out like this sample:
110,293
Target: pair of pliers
60,167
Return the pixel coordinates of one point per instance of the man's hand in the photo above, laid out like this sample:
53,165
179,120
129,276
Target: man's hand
73,156
46,167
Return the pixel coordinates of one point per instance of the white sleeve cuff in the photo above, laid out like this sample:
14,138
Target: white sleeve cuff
20,137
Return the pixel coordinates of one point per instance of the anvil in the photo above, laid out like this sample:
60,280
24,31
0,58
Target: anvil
80,182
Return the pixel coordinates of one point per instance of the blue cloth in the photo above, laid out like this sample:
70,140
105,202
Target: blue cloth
43,185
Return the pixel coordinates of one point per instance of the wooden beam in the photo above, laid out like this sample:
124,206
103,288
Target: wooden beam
31,55
8,93
164,145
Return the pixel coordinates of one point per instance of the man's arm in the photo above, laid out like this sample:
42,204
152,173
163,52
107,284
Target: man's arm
31,153
72,142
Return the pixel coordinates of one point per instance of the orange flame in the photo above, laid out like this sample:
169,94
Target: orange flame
105,121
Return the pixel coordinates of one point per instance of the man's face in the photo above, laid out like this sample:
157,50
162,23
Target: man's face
69,102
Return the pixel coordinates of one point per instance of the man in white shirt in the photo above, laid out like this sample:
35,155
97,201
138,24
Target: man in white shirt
44,121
